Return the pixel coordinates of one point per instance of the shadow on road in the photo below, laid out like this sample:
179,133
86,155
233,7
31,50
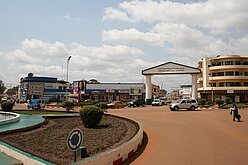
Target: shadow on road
139,151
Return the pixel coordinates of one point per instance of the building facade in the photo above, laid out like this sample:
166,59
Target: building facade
224,76
108,92
49,88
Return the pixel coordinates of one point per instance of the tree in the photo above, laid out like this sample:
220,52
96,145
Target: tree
12,91
2,87
93,81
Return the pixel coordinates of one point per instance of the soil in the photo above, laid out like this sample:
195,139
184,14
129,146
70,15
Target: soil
50,141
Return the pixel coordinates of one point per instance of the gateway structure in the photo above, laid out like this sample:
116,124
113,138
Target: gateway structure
168,69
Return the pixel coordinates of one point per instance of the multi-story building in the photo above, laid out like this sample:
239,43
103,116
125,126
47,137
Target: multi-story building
49,88
224,76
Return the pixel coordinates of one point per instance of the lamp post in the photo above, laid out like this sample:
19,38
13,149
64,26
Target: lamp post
67,77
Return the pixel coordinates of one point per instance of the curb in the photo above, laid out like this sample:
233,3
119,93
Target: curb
117,155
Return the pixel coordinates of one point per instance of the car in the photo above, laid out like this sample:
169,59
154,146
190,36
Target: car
136,102
116,104
36,104
157,102
189,104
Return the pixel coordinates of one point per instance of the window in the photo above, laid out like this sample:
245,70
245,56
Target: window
237,62
221,84
245,83
237,73
245,63
229,63
245,73
220,73
229,74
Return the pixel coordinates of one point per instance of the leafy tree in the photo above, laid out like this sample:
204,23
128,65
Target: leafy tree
219,102
2,87
12,91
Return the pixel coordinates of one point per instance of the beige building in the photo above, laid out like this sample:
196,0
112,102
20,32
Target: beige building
224,76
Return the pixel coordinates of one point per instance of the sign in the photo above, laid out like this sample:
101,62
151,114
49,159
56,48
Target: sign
110,91
229,91
75,139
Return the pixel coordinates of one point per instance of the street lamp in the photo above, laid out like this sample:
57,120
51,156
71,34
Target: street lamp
67,77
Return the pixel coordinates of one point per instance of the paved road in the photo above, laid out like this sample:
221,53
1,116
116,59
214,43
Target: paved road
206,137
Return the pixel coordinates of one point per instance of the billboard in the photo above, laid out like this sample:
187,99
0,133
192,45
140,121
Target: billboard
79,87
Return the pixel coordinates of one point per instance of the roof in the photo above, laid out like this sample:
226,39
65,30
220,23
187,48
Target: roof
170,68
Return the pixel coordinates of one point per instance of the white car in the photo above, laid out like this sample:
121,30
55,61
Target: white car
189,104
157,102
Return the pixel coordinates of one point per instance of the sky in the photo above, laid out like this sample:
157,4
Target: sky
114,40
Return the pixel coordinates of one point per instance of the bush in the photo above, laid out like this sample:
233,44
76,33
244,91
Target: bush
68,105
91,115
7,106
102,105
228,100
219,102
202,102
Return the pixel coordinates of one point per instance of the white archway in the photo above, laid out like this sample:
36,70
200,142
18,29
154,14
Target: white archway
170,68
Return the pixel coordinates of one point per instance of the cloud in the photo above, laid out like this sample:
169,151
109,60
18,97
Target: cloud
132,35
107,63
111,13
40,47
211,14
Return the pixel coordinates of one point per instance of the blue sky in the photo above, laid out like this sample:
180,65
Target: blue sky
114,40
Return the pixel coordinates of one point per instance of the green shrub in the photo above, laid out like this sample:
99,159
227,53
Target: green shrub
219,102
68,105
202,102
91,115
102,105
228,100
7,106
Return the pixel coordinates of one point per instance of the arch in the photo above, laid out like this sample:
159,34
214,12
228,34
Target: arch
170,68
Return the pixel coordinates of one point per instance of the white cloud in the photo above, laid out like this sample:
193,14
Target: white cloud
111,13
216,14
40,47
132,35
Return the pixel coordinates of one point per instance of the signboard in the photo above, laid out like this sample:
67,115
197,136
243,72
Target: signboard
110,91
79,87
75,139
35,88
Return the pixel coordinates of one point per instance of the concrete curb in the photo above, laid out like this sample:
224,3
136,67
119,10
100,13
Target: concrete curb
15,118
117,155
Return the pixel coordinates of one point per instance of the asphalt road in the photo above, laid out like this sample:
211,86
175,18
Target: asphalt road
205,137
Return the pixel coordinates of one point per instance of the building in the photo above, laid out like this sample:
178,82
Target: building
49,88
224,76
111,91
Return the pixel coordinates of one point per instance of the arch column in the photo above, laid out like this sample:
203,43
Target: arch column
148,87
194,86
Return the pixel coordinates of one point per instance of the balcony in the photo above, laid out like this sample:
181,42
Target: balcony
218,78
228,67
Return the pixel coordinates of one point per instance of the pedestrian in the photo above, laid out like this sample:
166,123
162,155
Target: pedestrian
235,112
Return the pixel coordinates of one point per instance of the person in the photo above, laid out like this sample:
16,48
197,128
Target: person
235,112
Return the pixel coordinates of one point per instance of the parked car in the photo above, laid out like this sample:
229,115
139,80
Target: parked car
189,104
36,104
157,102
136,102
116,104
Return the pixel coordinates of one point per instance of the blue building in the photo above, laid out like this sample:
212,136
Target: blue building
49,88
